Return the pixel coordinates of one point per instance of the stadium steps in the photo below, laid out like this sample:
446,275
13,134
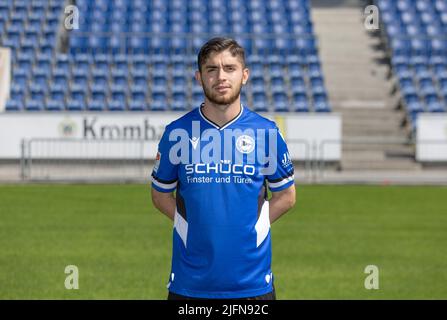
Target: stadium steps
354,71
356,78
376,131
388,164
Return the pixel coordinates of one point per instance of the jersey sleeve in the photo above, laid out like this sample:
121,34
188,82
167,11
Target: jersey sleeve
283,177
165,174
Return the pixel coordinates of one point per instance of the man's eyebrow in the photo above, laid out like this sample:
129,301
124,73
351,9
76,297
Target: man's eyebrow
215,66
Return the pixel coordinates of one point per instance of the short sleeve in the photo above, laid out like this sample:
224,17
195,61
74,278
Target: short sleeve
283,177
165,174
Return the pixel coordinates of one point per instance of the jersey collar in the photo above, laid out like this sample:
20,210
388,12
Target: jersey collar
214,124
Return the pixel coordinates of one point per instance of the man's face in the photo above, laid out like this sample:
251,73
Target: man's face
222,77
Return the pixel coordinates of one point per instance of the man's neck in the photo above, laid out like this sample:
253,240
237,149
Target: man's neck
221,114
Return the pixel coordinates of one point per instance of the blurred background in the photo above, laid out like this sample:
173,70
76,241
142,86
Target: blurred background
358,89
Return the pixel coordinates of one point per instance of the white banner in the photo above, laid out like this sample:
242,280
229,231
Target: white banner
431,137
118,135
5,76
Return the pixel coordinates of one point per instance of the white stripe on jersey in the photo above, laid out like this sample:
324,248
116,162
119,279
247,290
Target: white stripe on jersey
282,182
164,185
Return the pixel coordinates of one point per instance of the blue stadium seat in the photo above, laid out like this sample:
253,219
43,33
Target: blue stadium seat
53,105
434,103
75,105
179,101
427,86
34,105
315,70
99,92
60,77
14,105
112,48
295,69
275,70
317,85
100,77
321,102
116,105
17,92
96,105
257,84
443,85
297,85
281,103
37,92
57,92
78,93
118,93
137,106
413,106
179,84
277,84
138,93
260,102
300,102
159,83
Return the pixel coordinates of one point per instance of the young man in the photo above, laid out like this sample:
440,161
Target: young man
218,158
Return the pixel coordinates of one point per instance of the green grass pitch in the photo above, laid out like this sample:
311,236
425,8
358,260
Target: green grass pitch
122,245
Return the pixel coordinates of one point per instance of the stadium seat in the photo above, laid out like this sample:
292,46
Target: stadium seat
179,102
96,105
116,105
434,103
53,105
137,106
320,102
112,48
75,105
14,105
34,105
57,93
300,102
281,102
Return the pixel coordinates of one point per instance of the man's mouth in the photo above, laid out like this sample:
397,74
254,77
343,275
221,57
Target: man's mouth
222,88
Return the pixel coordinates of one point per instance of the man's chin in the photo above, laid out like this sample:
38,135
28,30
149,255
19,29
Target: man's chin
222,100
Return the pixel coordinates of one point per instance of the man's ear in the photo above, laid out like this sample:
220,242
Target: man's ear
198,77
245,75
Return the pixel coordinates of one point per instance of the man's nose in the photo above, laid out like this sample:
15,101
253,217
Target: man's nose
221,74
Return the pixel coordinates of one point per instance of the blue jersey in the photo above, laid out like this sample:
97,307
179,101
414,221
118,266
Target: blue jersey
221,236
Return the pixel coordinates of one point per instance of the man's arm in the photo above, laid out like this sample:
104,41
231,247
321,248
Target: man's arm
165,202
281,202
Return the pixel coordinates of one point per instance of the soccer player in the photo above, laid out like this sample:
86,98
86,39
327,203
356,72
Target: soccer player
219,158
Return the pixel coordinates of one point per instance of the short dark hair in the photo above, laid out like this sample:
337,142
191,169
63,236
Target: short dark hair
219,44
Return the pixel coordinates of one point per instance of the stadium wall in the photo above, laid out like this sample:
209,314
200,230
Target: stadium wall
431,138
302,132
5,76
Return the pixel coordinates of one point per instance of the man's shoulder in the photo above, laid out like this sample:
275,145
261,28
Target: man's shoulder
183,121
260,120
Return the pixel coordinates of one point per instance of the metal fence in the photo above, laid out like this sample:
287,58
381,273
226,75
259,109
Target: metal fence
44,159
84,160
124,160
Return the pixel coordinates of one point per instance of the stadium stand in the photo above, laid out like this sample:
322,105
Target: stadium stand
141,55
416,36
